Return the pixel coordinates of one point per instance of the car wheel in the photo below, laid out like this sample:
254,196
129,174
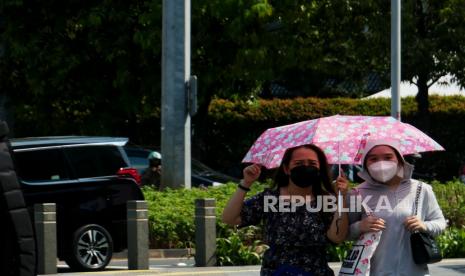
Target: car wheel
91,248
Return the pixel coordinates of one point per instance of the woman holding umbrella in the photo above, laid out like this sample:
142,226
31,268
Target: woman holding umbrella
392,194
297,238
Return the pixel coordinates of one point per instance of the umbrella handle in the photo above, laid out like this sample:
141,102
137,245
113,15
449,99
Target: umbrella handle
339,201
339,196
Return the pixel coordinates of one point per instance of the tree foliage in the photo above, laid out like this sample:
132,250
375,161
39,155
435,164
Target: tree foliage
91,66
297,44
322,40
95,66
228,51
433,39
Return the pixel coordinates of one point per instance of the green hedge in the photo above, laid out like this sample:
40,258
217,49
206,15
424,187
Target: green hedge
290,110
171,222
171,214
452,242
235,125
451,198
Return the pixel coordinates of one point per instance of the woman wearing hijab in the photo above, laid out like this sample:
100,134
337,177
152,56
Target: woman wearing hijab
389,192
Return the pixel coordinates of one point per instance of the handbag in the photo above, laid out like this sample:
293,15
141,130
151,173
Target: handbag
424,248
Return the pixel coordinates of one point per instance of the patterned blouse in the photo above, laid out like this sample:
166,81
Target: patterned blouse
297,240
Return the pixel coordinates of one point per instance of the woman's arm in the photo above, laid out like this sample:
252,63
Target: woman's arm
435,222
339,227
355,216
232,211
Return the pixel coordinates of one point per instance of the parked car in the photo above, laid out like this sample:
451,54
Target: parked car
90,180
201,174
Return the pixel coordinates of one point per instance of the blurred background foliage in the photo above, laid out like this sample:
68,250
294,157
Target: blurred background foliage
94,67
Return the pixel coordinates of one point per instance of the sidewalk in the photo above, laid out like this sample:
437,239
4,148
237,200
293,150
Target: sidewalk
185,267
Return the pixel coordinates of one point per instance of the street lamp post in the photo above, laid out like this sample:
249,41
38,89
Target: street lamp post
395,58
175,115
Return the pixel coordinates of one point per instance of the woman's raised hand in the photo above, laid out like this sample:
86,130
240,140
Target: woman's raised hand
342,184
251,174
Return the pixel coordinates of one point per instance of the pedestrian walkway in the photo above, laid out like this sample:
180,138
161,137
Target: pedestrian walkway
185,267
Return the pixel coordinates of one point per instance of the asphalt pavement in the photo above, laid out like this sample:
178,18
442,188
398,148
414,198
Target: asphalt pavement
186,267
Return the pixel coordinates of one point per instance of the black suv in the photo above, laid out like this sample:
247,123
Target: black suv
90,181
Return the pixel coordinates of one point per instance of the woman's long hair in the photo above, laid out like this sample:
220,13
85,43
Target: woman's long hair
282,179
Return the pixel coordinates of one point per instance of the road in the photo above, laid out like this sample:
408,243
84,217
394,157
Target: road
185,267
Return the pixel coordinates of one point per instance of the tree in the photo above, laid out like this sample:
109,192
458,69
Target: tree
433,36
347,40
301,44
94,67
88,67
228,54
323,40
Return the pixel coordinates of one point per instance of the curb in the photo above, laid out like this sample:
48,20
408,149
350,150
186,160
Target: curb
161,253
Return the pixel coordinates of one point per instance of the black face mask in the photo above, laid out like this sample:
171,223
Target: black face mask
305,176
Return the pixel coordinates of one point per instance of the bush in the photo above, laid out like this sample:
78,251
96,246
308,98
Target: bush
240,248
451,198
452,242
171,213
337,253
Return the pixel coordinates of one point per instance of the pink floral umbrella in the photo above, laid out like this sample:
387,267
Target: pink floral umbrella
341,138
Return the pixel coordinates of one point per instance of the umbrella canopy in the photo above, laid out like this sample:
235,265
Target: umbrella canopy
339,136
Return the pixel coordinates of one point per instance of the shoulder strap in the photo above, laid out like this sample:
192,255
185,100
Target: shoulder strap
417,198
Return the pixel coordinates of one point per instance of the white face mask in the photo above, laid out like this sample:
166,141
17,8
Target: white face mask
383,171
